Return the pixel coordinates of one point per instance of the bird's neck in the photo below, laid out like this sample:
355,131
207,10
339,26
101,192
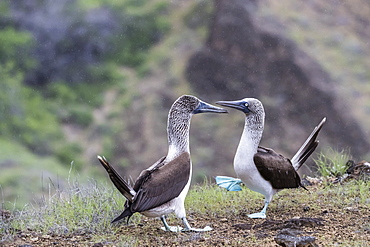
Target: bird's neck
178,135
250,139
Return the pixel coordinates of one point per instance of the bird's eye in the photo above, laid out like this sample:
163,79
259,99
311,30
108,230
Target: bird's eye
246,104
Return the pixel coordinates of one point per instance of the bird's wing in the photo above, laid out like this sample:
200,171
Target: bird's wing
145,173
276,169
161,184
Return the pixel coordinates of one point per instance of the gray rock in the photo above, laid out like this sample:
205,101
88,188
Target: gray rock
295,241
294,238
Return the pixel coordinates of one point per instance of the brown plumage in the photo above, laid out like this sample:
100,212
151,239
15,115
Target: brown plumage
276,169
150,190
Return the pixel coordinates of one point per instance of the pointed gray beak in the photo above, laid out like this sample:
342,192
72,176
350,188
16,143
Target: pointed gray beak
205,107
237,104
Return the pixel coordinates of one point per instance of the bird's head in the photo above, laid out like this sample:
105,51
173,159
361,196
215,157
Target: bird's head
189,104
250,106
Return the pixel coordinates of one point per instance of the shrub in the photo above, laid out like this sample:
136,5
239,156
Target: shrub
25,116
71,41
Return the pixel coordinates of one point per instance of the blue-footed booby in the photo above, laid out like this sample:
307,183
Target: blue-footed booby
161,189
262,169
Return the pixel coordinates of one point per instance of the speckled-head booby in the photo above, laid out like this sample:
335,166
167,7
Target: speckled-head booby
262,169
161,189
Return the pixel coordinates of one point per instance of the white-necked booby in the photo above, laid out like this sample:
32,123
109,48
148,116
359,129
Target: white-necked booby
262,169
161,189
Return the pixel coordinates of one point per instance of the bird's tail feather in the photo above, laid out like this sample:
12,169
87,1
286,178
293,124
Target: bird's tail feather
307,148
123,187
229,183
126,213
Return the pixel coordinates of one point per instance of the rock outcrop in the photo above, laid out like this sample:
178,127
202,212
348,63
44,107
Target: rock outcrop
245,58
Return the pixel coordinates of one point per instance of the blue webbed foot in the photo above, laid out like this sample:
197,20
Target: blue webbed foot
229,183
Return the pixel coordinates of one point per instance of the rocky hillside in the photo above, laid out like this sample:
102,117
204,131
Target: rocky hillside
247,56
230,50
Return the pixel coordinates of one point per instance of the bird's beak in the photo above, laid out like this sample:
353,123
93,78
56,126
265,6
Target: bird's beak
205,107
238,104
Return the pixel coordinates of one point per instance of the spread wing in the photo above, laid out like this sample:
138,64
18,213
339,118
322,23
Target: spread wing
276,169
161,184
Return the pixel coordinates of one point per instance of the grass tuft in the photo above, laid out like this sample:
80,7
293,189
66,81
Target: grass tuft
76,209
332,163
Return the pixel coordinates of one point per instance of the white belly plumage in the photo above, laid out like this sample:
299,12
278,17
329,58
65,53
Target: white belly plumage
176,205
251,177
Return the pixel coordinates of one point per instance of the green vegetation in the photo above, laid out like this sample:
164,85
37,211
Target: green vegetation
332,163
25,117
75,208
15,50
24,174
85,212
57,62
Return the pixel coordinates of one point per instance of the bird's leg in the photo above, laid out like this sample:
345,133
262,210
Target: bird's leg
262,214
169,228
188,228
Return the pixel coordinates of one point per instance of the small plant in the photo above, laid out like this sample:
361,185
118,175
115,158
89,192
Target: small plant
332,163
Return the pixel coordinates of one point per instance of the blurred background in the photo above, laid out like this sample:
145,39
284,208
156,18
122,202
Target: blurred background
86,77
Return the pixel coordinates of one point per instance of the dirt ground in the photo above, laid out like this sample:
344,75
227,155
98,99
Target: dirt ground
334,217
321,226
